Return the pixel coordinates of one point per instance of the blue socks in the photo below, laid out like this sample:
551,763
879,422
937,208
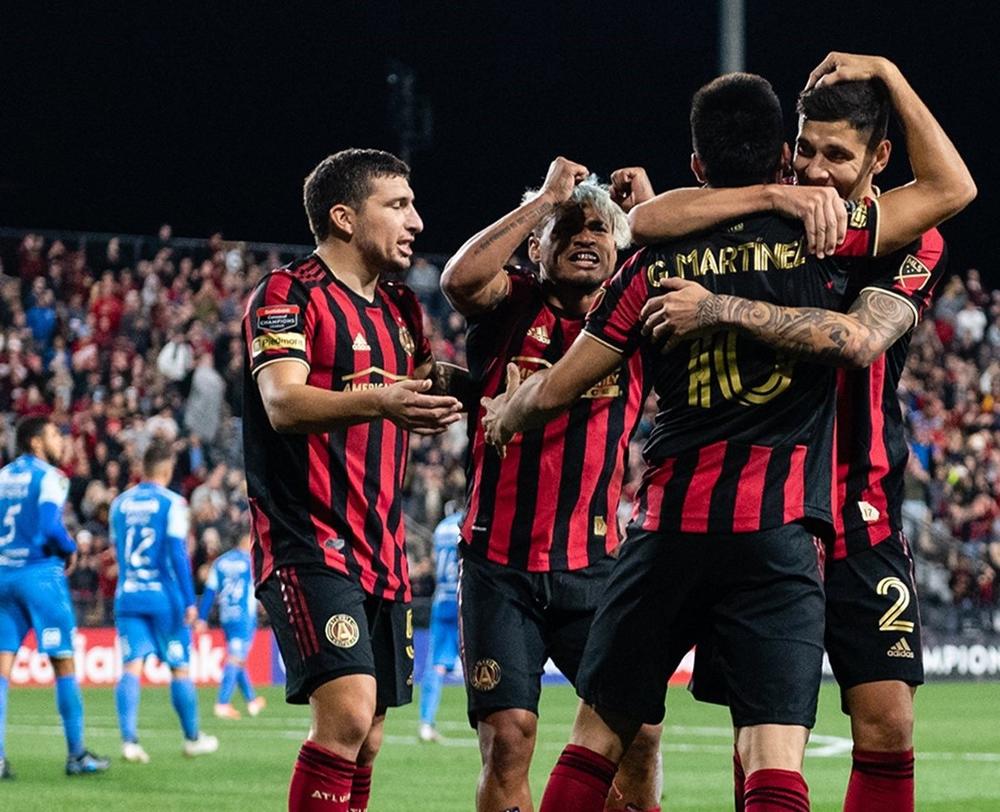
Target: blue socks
185,702
4,684
228,684
430,694
70,704
127,703
243,678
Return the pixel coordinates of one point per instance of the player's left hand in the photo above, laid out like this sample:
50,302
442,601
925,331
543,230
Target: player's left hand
678,314
630,186
497,435
839,67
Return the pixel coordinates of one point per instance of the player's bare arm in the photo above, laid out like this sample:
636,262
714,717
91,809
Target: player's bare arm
942,185
679,212
853,339
295,407
450,379
474,279
548,393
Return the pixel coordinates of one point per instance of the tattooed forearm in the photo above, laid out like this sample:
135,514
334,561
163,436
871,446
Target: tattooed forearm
450,379
852,339
532,215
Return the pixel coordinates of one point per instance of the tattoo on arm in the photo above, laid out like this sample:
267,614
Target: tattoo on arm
450,379
532,215
875,322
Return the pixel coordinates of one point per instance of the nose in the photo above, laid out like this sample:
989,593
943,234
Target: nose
414,224
816,170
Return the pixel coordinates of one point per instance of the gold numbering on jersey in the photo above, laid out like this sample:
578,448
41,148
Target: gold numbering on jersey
890,622
717,354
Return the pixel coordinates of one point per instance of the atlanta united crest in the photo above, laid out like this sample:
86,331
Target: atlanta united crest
406,340
342,631
485,675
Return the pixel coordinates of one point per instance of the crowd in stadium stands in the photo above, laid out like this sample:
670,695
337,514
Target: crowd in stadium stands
122,340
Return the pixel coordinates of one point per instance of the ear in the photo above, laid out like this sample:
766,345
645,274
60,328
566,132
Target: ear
534,249
697,168
343,219
882,153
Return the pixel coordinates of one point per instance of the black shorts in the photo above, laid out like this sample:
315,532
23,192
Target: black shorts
758,595
872,616
511,622
327,626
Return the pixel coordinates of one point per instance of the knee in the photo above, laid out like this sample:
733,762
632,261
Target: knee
344,727
507,741
372,743
643,754
888,729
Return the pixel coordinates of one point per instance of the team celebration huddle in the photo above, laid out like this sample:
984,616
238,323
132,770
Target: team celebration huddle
768,309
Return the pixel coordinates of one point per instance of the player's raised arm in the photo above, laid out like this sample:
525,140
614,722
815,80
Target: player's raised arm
549,392
474,280
942,185
679,212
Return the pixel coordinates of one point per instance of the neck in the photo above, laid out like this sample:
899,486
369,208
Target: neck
158,479
349,267
573,301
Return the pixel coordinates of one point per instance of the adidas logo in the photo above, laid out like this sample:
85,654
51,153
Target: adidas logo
540,334
360,344
901,649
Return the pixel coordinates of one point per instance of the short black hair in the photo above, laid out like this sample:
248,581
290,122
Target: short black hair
157,452
736,129
345,177
28,428
865,105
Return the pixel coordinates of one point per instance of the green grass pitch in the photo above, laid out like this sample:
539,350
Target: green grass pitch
958,755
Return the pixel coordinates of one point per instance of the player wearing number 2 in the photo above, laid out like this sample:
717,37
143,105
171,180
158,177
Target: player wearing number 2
154,599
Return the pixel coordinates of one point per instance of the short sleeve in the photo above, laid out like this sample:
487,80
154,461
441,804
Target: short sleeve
178,519
54,488
276,326
614,318
913,273
861,239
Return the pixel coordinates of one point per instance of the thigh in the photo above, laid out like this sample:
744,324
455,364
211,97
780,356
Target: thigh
648,617
45,596
14,620
575,596
136,638
319,621
501,638
391,630
768,626
173,640
872,617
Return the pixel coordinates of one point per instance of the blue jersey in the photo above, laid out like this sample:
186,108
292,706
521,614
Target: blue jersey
230,581
446,537
32,495
149,528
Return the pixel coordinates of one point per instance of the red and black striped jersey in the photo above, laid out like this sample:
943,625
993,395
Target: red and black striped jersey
551,504
743,439
871,445
330,498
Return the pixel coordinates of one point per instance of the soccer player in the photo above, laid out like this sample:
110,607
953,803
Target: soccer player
873,626
336,373
230,581
540,524
35,551
443,651
739,468
154,599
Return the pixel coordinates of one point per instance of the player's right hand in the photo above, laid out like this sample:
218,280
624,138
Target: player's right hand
562,177
406,405
822,212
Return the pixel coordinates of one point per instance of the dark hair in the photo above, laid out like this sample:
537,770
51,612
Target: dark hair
736,129
158,452
28,428
864,105
345,177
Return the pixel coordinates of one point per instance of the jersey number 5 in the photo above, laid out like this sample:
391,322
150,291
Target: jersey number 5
9,525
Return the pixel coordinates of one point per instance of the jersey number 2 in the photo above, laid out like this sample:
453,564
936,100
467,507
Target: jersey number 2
890,622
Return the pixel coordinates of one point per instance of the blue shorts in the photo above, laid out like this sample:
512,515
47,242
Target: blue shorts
162,634
444,638
36,596
239,638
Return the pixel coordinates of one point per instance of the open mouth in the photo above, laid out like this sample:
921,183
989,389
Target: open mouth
585,259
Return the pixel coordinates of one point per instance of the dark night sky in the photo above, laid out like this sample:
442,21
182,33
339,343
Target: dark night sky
209,116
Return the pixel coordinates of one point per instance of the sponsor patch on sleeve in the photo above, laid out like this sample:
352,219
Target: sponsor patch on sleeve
278,341
278,318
